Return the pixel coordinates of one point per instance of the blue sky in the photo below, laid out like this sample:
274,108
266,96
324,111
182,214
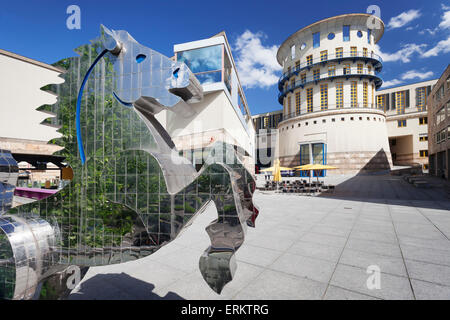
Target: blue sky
415,45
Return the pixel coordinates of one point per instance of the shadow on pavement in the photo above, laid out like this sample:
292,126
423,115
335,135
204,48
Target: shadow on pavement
118,286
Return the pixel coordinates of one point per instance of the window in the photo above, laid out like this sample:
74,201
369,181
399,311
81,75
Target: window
440,115
421,96
353,51
360,68
365,52
324,55
309,99
316,40
359,34
346,69
339,95
400,102
297,103
323,97
423,137
303,78
266,122
316,74
309,60
205,63
297,65
423,153
369,35
401,123
289,105
346,33
339,52
331,36
423,120
292,83
331,70
293,52
373,95
369,69
365,94
354,94
381,103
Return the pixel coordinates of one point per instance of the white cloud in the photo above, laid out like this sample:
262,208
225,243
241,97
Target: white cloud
403,55
445,23
432,32
257,64
409,75
391,83
403,18
414,74
445,7
442,46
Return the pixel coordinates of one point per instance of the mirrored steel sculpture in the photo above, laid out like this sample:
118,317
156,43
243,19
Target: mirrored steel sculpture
131,192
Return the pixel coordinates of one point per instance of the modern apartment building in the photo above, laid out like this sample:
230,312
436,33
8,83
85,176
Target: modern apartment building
327,89
438,106
407,122
223,114
22,127
267,137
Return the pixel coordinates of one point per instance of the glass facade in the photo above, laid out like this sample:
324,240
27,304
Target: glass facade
205,63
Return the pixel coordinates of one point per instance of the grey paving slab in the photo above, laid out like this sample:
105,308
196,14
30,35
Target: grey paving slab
430,272
372,246
336,293
301,266
257,256
355,279
387,264
430,291
321,238
276,285
431,255
316,250
375,236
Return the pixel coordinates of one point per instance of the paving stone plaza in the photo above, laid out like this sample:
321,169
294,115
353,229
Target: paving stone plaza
308,247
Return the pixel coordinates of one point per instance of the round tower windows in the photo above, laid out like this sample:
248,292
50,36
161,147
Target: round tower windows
360,34
331,36
303,46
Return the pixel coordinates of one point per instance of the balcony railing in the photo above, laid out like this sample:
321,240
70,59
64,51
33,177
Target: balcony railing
340,73
330,107
375,59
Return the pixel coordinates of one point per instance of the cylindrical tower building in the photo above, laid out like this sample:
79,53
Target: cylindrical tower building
328,95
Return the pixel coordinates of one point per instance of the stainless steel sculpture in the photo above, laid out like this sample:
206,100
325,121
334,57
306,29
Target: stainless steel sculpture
131,193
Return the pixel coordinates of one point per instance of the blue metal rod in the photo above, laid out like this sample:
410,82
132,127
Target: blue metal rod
78,115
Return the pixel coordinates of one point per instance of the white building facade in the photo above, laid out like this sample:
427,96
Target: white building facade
328,95
407,122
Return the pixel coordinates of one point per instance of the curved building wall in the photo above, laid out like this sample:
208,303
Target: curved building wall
328,92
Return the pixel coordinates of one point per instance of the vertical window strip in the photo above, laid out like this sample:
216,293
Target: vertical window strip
339,52
365,93
400,102
324,96
324,55
297,102
332,71
380,103
289,106
353,51
309,60
309,99
339,95
354,94
316,74
360,68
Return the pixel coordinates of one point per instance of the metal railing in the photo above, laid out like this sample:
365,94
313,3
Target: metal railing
329,107
376,61
344,72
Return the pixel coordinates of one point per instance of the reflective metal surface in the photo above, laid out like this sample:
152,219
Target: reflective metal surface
134,193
